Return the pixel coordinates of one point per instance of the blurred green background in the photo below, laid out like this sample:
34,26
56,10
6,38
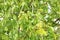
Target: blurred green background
29,19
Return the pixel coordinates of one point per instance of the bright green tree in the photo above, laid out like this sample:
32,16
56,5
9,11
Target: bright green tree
29,19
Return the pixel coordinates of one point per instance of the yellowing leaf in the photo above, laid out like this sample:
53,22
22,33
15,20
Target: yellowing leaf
41,32
55,36
40,10
40,24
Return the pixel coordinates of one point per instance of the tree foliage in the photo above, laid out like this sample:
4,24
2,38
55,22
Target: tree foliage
29,19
